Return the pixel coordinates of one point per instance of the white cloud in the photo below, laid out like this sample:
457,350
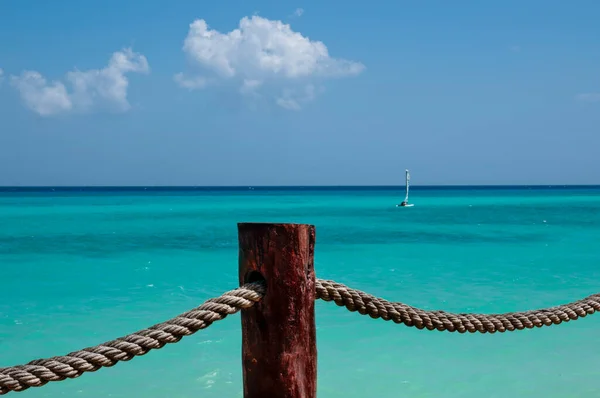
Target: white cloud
42,97
106,87
263,47
263,53
588,97
298,12
191,83
288,103
1,75
250,86
291,99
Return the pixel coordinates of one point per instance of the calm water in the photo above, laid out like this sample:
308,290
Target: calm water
80,268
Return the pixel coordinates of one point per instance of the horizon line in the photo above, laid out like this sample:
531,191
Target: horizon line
4,187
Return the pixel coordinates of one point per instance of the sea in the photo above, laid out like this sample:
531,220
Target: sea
80,266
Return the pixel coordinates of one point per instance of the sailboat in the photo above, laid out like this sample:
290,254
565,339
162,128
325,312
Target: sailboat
405,201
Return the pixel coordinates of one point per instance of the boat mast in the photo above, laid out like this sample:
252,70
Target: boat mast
407,181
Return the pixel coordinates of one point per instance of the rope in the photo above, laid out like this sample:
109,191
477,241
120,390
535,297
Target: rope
366,304
41,371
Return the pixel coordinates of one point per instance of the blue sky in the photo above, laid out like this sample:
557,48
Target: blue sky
466,92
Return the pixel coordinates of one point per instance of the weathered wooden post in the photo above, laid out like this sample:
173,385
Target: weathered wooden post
279,350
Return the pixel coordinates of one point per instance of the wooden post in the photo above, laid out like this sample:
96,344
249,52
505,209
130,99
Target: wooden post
279,350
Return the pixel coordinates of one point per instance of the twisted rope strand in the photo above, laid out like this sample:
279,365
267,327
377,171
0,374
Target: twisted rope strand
41,371
366,304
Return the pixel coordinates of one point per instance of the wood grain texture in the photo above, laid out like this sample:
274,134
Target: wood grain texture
279,350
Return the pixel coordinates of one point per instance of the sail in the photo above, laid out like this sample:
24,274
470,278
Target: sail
407,184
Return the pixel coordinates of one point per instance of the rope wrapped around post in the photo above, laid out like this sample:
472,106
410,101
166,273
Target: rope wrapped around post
41,371
366,304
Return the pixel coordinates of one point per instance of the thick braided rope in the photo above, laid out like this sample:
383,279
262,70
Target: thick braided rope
366,304
41,371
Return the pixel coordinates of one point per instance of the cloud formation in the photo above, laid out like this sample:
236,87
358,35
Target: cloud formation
588,97
298,12
40,96
261,53
191,83
292,99
91,89
1,75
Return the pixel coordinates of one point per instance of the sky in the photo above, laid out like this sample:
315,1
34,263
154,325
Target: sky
299,92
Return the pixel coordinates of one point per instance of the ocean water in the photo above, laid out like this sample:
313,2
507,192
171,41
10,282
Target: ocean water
82,267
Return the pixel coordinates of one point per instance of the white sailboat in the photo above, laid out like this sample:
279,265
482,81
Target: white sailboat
405,201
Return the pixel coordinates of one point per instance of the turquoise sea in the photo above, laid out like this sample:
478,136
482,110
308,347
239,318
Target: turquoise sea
79,267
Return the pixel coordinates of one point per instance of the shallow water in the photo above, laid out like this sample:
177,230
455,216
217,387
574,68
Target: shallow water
80,268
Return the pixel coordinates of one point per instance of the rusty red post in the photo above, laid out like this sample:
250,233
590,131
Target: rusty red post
279,350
